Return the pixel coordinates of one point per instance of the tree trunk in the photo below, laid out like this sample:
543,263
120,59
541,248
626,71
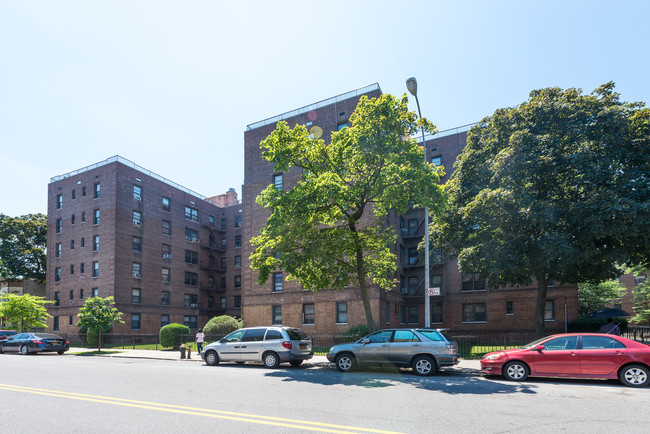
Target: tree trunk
363,288
540,328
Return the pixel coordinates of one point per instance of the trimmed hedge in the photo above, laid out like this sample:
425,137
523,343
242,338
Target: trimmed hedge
170,335
221,325
592,325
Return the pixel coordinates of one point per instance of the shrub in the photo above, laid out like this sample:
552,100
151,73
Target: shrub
92,338
222,325
592,325
170,335
360,330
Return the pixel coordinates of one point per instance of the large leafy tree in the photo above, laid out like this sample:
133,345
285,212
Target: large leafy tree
328,230
595,296
99,314
553,189
24,312
641,293
23,241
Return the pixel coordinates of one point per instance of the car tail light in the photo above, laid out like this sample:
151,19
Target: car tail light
452,347
287,344
37,341
67,342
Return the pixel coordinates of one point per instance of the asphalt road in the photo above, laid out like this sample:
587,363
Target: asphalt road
47,393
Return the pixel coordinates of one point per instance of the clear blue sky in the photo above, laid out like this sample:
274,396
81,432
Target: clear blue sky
171,85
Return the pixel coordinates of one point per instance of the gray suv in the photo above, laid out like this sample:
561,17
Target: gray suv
424,350
269,345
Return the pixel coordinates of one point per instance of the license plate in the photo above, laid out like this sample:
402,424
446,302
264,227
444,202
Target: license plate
303,346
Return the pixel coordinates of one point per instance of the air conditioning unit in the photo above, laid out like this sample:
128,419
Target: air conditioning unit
167,255
193,305
405,290
137,196
195,240
138,224
137,275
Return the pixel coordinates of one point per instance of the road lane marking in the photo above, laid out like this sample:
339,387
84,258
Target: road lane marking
194,411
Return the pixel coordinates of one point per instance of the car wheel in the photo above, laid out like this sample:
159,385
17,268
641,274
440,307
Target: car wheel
24,350
515,371
424,365
212,358
345,362
271,360
60,353
634,376
2,350
296,363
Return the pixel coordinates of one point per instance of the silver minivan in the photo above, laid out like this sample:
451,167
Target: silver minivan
269,345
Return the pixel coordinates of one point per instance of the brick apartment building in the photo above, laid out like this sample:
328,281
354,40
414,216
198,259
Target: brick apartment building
165,253
465,304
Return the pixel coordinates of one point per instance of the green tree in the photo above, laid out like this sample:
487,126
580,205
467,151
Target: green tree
99,314
24,312
641,293
328,231
23,242
596,296
553,189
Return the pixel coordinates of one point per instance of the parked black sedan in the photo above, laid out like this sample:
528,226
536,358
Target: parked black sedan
26,343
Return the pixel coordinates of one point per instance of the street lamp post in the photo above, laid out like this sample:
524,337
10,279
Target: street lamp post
412,86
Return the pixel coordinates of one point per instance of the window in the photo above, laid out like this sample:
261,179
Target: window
164,320
413,256
308,313
341,312
95,269
94,292
57,298
277,314
190,300
380,337
222,282
413,284
166,227
166,275
277,282
339,127
137,192
72,219
137,218
59,201
475,312
222,302
272,335
237,281
191,235
210,302
277,181
510,308
238,221
237,303
95,242
191,214
136,270
135,295
136,244
190,321
237,241
191,279
223,244
73,194
223,223
97,190
96,217
413,315
436,281
600,343
211,221
83,242
69,320
83,217
563,343
83,190
71,269
135,321
436,161
237,261
55,325
164,298
71,244
412,228
81,292
473,282
71,294
166,251
191,257
436,311
59,226
549,310
165,204
638,280
58,250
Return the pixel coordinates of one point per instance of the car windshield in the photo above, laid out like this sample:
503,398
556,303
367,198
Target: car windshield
297,335
535,343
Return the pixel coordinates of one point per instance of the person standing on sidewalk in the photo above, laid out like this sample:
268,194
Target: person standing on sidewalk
199,341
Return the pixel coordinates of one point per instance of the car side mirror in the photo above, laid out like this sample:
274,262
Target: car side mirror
540,348
365,341
222,340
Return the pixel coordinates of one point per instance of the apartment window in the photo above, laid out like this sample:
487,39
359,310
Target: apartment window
640,279
191,257
223,263
211,284
210,302
166,227
436,280
164,320
55,325
71,269
190,321
191,279
71,294
137,218
94,292
81,293
237,261
135,321
342,312
58,250
237,241
135,295
436,161
69,320
549,310
277,282
223,244
436,311
72,219
71,244
165,298
222,282
96,217
95,242
223,223
413,256
190,300
277,314
83,242
165,204
211,220
97,190
237,281
308,313
166,275
212,262
339,127
95,269
82,268
83,217
136,244
57,298
413,284
136,270
473,282
222,303
59,225
413,314
237,301
73,194
137,192
191,214
166,251
83,190
474,312
277,181
510,308
59,201
191,235
238,221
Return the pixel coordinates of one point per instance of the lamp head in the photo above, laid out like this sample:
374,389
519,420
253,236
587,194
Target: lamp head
412,86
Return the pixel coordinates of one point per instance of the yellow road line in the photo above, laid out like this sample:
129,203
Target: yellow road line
219,414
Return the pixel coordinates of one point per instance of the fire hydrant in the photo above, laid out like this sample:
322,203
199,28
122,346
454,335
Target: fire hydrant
182,351
189,351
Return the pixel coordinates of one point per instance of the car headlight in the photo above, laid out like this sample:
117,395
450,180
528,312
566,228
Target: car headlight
493,356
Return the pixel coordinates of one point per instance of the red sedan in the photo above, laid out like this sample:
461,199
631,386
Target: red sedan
574,355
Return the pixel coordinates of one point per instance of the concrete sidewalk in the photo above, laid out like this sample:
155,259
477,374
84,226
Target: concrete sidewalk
470,366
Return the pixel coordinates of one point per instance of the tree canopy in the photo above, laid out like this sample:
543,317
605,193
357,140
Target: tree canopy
23,242
24,312
596,296
553,189
99,314
327,231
